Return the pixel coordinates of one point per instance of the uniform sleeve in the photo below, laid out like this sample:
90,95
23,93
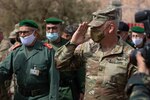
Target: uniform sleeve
6,68
81,71
81,78
138,87
64,54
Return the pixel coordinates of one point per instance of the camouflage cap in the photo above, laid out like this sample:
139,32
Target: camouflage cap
12,34
101,16
16,30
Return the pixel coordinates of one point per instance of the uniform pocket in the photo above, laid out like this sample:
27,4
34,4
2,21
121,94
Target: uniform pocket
42,69
40,66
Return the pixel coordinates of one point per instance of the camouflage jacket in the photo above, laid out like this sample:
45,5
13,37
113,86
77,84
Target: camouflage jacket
138,87
106,73
4,46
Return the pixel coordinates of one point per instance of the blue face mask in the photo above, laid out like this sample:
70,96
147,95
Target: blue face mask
52,36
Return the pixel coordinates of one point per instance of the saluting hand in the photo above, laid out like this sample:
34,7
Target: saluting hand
79,36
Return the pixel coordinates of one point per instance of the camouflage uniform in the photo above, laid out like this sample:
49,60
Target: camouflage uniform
138,87
8,88
4,46
106,72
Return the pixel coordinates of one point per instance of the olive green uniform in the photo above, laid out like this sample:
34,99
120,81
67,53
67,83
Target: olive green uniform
35,72
71,82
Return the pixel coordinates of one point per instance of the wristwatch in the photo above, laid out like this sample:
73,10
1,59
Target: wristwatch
72,44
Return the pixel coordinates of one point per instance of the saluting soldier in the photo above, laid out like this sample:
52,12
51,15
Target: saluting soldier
106,59
72,81
33,64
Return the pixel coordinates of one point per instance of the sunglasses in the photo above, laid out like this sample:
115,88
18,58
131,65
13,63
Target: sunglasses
53,28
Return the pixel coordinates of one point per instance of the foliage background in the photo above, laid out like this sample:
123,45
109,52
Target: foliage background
71,11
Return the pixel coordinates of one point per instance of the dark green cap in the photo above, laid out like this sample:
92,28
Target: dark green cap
137,29
53,20
29,23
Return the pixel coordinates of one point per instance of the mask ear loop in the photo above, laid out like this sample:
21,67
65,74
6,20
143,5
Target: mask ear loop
36,35
33,32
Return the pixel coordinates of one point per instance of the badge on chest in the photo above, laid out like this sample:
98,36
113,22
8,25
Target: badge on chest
34,71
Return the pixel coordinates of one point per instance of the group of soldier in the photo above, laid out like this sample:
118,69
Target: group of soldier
89,61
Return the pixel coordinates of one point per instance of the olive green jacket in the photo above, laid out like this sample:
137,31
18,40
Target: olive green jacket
72,81
22,60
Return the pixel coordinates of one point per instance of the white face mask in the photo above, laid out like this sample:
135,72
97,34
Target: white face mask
28,40
137,41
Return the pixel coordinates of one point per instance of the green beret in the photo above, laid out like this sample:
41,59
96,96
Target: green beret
53,20
137,29
29,23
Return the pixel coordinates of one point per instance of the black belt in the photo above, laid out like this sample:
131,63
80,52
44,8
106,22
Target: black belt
34,92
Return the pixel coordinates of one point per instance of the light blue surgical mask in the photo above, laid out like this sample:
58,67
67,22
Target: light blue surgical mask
137,41
52,36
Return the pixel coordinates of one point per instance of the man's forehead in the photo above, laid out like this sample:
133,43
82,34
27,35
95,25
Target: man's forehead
135,33
52,25
25,28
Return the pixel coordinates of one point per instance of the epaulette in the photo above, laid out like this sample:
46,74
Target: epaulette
16,46
48,45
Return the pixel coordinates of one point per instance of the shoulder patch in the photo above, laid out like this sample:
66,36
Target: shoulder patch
15,46
47,45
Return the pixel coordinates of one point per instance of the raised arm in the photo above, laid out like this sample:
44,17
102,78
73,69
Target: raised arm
64,54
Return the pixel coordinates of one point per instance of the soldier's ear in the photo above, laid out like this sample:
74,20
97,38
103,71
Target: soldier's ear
111,28
35,33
